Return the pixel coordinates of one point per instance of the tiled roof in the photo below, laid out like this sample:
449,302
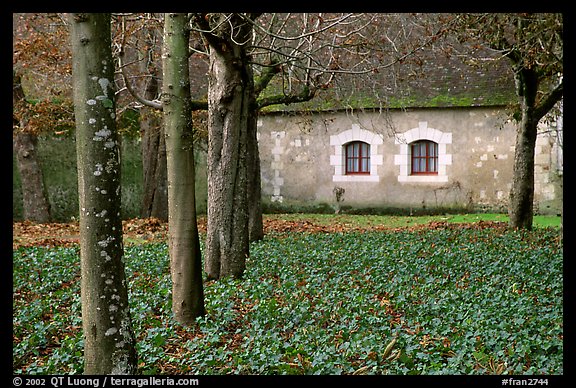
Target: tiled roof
449,82
439,81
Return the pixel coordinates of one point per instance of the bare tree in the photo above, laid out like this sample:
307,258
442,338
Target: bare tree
138,42
292,58
533,45
230,94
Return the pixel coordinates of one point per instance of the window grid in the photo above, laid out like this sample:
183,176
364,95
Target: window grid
357,158
424,158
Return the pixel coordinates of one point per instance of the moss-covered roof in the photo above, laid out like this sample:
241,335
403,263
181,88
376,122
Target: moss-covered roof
440,81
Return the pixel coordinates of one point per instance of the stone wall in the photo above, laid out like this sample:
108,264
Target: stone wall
303,163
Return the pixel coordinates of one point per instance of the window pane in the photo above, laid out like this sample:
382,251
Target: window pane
415,150
355,165
366,154
365,164
415,165
433,164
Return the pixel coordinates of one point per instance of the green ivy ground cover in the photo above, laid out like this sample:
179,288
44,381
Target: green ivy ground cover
444,301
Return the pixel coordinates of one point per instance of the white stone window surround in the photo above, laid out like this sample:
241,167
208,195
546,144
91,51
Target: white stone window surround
403,159
355,133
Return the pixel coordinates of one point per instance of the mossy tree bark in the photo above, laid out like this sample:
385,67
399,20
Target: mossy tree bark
521,210
109,342
184,242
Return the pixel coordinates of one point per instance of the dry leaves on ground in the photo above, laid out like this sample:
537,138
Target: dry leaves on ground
141,230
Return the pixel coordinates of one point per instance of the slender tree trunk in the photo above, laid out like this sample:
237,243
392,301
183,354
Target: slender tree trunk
229,94
255,222
155,198
521,210
35,198
109,343
184,242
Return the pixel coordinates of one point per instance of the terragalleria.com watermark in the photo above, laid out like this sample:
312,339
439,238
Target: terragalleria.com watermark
103,381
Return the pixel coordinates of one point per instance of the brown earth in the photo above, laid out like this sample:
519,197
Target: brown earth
141,230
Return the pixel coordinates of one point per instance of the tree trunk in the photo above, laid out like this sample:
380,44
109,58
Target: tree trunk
230,85
35,198
255,222
155,196
109,343
521,209
184,242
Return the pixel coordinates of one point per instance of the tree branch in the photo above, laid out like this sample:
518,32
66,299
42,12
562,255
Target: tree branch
268,73
306,95
200,20
154,104
549,100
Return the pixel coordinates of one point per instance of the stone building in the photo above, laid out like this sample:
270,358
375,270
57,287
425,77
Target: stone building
434,137
417,159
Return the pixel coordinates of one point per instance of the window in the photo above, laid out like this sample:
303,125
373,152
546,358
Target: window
357,158
439,158
344,160
424,157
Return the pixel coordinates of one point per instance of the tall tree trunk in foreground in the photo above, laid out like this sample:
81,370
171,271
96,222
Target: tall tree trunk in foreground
109,343
185,255
230,92
36,206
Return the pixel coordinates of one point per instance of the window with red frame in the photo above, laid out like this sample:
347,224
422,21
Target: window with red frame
357,158
424,157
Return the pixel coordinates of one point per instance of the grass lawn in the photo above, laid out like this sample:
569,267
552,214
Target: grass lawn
406,221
